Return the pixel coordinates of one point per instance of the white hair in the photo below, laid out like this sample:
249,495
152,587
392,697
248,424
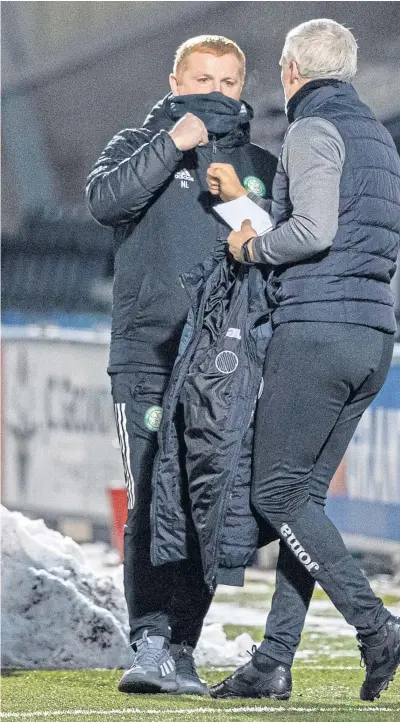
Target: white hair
322,49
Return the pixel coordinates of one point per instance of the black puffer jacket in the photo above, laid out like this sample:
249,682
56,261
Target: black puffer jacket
156,198
212,392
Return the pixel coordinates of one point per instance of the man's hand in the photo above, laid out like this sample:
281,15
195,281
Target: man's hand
237,238
189,132
222,181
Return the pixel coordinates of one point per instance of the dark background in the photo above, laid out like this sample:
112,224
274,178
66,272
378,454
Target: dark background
74,73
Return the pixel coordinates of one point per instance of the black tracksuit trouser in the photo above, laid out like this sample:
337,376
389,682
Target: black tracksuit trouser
170,600
319,378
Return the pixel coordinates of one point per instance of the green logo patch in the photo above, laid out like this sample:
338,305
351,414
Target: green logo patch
254,185
152,418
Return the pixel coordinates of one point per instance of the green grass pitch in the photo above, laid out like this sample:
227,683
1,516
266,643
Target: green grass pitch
326,682
325,688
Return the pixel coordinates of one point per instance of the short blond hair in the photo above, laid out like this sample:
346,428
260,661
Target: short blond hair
215,44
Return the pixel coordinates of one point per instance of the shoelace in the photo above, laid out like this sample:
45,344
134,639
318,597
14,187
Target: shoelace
253,650
363,660
185,661
146,653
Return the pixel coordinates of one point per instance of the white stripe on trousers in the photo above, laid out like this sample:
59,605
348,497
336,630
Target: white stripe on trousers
123,438
118,419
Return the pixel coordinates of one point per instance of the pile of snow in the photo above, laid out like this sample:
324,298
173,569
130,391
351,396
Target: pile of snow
214,650
56,614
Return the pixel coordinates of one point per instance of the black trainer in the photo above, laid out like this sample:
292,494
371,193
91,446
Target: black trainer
381,654
153,669
187,678
273,680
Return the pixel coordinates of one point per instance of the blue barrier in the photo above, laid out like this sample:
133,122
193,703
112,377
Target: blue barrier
369,502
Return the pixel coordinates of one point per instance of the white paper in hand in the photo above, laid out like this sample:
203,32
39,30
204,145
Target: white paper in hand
235,212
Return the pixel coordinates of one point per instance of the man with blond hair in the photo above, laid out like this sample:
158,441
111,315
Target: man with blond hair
332,254
150,186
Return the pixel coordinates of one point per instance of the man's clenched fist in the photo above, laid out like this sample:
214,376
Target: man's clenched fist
189,132
222,181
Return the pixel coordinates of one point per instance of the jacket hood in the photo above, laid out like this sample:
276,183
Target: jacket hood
226,119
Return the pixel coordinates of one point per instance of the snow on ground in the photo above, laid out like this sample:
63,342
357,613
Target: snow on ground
228,613
63,605
56,613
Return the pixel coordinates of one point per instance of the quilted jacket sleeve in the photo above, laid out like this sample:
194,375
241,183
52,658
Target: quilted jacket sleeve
128,173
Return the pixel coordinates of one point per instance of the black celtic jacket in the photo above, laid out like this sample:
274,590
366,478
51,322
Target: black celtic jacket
212,394
157,200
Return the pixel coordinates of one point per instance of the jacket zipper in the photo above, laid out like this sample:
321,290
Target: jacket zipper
220,229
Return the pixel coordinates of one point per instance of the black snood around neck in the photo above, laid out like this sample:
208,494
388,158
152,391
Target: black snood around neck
219,113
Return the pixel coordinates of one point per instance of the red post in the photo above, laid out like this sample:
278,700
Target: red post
338,484
119,512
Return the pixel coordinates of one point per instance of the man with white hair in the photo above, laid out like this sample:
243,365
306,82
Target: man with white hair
332,254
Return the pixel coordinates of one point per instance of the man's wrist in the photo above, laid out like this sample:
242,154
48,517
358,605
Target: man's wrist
247,251
233,196
174,140
242,191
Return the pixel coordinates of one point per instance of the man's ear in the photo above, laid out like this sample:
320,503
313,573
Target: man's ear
173,84
294,72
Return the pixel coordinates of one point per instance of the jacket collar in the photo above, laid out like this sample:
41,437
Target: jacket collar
312,91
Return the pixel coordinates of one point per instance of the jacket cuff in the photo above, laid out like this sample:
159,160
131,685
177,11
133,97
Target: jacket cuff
231,577
264,203
256,247
172,153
